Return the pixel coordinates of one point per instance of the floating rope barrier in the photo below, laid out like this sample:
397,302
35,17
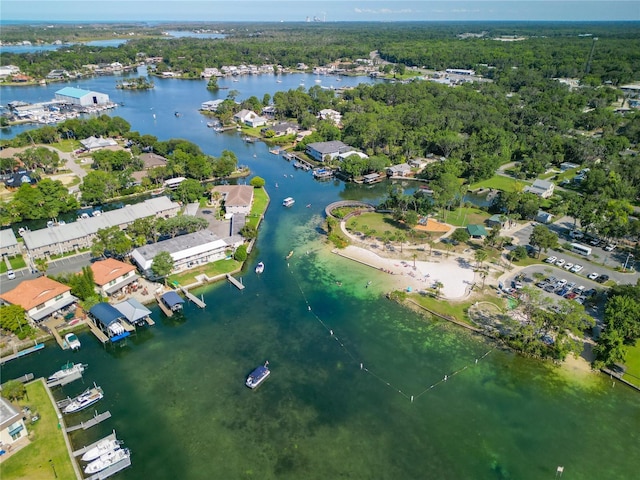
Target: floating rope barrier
443,379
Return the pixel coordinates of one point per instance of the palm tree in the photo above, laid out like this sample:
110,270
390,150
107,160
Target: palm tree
437,287
414,260
401,238
480,256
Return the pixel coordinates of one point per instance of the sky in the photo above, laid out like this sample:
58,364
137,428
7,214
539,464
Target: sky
327,10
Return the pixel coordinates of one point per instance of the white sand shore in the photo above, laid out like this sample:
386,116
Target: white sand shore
456,275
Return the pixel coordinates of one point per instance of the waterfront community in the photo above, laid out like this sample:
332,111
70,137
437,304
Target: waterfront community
395,291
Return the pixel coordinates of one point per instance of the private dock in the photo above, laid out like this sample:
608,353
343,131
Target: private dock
56,335
100,335
235,282
193,298
83,450
97,418
112,470
149,321
22,353
166,310
64,380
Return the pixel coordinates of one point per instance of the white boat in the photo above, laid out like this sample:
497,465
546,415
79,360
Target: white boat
287,202
84,400
258,376
67,369
106,460
100,448
72,341
260,267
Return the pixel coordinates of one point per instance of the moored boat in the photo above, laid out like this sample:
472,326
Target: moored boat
84,400
260,267
67,369
100,448
72,341
287,202
258,376
106,460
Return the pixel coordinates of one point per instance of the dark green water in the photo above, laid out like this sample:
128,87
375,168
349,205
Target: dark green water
177,394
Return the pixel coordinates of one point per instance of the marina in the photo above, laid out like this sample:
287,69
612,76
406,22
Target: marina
97,418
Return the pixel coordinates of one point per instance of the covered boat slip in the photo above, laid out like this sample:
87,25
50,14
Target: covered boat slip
110,322
134,312
170,302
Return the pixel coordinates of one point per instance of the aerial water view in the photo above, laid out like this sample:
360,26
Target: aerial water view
319,240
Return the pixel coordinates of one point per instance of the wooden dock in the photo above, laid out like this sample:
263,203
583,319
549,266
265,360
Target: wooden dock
100,335
22,353
167,311
83,450
112,470
97,418
235,282
56,335
193,298
149,321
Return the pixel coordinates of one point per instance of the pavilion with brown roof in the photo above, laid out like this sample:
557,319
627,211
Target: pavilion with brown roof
111,275
40,297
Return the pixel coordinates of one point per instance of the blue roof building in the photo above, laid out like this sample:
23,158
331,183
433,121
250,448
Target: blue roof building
108,319
172,300
80,97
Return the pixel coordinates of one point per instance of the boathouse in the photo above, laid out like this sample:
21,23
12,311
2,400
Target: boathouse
80,97
172,300
133,311
108,319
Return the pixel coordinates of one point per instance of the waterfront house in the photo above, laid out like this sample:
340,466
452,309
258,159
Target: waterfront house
111,275
237,198
9,245
330,115
372,178
149,162
12,427
343,156
250,118
400,170
80,97
211,105
281,129
40,297
541,188
187,251
17,179
323,151
78,235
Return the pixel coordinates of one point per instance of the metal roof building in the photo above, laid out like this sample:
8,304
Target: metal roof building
80,234
80,97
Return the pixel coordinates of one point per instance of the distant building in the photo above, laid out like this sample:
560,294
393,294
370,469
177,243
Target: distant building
322,151
94,143
9,245
331,115
497,219
40,297
343,156
250,118
17,179
80,97
543,217
12,427
541,188
187,251
111,275
237,198
211,105
400,170
477,231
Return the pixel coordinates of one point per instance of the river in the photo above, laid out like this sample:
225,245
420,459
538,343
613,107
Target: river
345,361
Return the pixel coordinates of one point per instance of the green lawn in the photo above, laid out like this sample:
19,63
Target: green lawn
458,310
461,217
259,206
47,450
632,362
500,182
210,269
377,222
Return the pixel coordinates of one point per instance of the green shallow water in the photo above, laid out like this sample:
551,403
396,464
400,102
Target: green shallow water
176,391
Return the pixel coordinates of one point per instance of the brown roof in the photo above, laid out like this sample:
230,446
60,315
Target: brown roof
152,160
31,293
236,195
106,270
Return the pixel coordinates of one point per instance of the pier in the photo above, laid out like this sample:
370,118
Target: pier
193,298
83,450
235,282
22,353
56,335
100,335
97,418
112,470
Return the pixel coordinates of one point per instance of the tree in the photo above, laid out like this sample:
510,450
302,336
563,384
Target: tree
460,235
212,84
257,182
41,264
543,238
241,253
13,319
162,264
14,390
437,287
188,191
249,232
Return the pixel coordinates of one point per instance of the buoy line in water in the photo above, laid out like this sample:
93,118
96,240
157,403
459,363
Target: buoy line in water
442,380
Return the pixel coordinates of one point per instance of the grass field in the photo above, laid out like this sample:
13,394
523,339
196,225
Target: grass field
461,217
47,453
500,182
632,362
458,310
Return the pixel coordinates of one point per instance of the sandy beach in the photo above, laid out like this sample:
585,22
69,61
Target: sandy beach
455,274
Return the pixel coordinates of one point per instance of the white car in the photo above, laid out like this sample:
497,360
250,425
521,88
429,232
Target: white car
576,268
551,259
568,266
11,274
560,262
593,276
610,247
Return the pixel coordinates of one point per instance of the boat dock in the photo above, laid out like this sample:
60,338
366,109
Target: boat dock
149,321
100,335
235,282
112,470
22,353
97,418
166,310
83,450
56,335
64,380
193,298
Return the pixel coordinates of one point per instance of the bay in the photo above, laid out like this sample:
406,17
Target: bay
177,394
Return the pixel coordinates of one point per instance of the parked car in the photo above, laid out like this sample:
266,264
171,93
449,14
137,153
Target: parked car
593,275
568,266
602,278
551,259
11,274
575,234
576,268
610,247
560,262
